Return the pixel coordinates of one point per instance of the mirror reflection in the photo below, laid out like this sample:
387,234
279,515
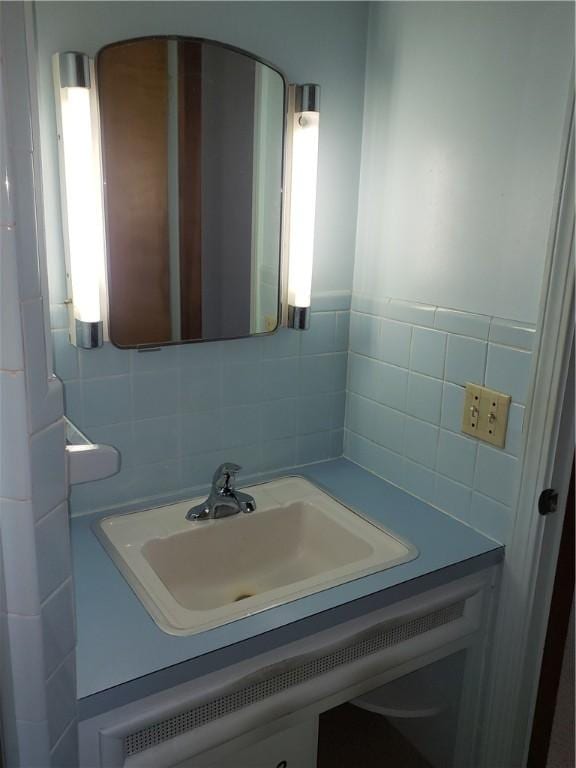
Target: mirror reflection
192,144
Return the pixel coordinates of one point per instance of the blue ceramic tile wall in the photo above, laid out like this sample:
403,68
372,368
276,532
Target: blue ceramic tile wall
175,414
408,365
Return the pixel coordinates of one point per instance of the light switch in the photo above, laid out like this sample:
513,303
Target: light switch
485,414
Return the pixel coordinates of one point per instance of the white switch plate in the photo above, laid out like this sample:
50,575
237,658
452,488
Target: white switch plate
486,414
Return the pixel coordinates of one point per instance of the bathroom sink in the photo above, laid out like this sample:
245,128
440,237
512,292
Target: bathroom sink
193,576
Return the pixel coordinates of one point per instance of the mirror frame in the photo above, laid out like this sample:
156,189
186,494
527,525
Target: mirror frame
283,177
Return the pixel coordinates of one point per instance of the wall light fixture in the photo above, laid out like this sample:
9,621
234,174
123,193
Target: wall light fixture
302,169
81,189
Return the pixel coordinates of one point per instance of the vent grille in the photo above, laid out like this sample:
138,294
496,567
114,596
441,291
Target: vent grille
231,702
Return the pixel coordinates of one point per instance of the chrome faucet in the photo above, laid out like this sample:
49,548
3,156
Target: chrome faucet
224,500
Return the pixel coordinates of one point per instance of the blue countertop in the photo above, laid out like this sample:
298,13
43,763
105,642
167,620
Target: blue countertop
122,654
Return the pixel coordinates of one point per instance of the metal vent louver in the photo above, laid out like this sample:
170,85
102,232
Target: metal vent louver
251,693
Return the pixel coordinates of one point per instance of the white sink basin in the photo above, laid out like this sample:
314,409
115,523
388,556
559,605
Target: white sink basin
193,576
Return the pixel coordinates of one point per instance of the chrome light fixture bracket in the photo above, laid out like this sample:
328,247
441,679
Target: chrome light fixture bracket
307,98
89,335
74,70
298,318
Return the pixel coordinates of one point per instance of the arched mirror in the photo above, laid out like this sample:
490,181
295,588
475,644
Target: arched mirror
192,143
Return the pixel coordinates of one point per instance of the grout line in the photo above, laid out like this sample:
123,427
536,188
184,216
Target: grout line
405,490
106,377
378,445
11,499
72,724
180,424
410,493
399,367
397,410
436,307
71,653
60,588
51,512
414,461
487,340
12,371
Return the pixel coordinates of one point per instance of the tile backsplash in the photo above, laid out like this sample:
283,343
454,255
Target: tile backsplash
176,413
382,383
408,364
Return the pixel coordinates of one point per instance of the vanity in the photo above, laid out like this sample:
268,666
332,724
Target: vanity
255,684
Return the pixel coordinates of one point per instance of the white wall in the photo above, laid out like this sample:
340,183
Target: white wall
465,106
310,42
37,671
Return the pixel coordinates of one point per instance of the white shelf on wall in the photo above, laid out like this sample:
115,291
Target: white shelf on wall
88,461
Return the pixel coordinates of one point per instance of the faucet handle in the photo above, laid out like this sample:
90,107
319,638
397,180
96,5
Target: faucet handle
225,476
